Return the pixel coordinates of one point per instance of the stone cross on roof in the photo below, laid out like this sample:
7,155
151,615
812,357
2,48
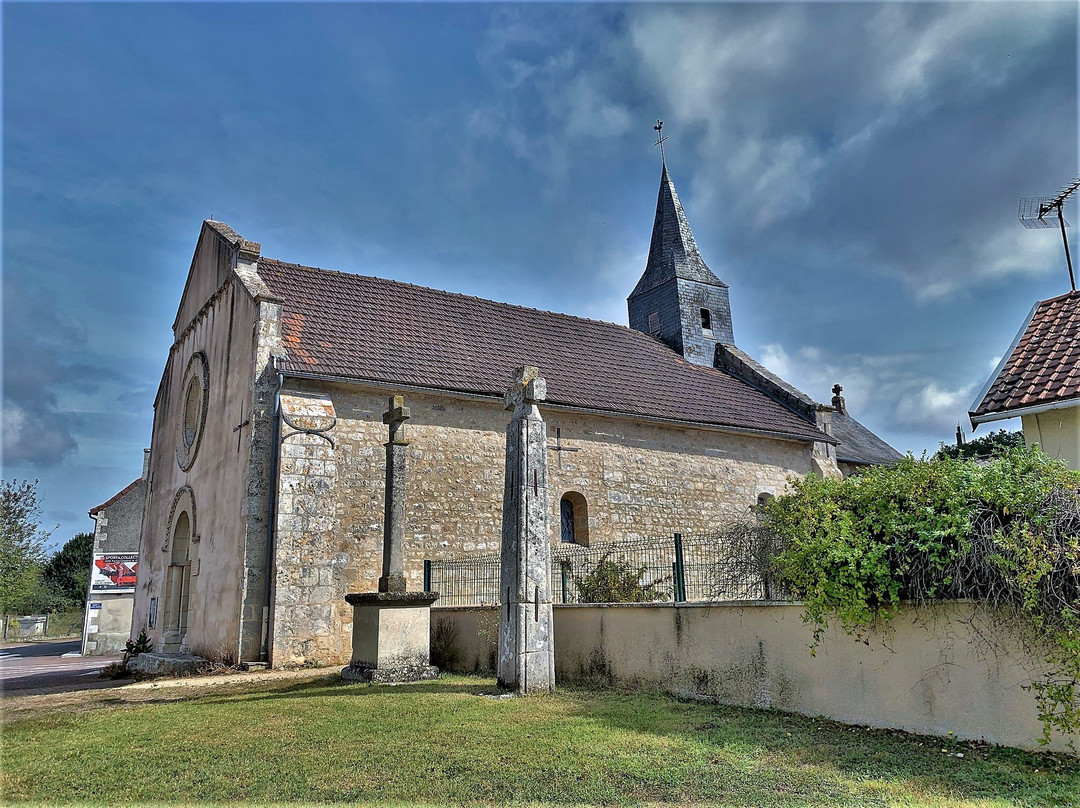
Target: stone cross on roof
395,417
528,388
838,400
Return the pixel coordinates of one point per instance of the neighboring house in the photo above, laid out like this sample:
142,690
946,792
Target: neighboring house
111,593
1038,380
266,475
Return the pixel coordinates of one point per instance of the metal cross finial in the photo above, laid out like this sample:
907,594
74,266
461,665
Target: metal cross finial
660,139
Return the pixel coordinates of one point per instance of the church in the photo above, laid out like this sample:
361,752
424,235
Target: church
266,473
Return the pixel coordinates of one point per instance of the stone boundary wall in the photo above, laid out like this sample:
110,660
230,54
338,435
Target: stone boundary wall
929,674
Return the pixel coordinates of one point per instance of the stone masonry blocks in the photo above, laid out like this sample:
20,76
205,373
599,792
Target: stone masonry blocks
639,480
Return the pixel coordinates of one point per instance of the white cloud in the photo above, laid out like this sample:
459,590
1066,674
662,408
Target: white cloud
867,142
775,358
42,439
589,111
933,406
894,394
699,54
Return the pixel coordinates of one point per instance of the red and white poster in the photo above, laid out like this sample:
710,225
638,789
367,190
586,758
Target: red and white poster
114,572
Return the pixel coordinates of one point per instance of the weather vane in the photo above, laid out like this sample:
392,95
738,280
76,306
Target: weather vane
660,138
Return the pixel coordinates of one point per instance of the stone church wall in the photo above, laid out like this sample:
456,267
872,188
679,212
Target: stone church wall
211,490
638,479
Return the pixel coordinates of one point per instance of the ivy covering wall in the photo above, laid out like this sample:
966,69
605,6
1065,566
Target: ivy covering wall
1003,532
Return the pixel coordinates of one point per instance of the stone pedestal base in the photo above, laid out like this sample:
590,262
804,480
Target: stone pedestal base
391,637
389,675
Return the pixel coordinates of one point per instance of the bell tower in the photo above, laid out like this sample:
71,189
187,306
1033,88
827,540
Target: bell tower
678,299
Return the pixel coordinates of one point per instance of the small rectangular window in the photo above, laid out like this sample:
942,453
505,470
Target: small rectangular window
654,324
706,320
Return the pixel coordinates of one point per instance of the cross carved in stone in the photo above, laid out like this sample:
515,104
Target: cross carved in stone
529,387
395,417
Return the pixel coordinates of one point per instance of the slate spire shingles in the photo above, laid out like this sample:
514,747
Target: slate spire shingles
673,253
1042,368
354,327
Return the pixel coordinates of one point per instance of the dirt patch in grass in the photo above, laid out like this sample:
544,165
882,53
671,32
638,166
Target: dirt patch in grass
126,692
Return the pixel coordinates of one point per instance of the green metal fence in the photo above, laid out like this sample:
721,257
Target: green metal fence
676,569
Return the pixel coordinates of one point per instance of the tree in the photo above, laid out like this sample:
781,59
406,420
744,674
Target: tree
982,448
67,574
22,543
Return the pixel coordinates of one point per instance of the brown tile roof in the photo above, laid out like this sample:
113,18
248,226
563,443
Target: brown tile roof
357,327
1043,365
115,497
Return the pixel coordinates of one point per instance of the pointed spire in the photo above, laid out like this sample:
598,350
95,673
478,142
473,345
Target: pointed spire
673,252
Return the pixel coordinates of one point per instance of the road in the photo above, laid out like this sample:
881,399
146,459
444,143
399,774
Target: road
39,668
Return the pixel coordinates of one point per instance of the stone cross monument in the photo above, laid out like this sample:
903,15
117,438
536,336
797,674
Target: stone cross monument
392,627
526,637
393,574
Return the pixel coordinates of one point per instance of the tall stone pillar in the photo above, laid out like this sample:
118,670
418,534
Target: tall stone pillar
392,627
393,572
526,635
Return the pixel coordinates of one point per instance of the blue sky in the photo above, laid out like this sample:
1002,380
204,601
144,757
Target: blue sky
852,171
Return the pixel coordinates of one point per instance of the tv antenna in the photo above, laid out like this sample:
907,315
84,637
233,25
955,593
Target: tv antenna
1035,210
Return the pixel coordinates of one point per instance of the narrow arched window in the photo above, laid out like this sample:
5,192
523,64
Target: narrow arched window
573,518
178,577
706,320
566,511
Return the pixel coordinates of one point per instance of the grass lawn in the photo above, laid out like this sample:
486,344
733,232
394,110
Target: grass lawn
445,743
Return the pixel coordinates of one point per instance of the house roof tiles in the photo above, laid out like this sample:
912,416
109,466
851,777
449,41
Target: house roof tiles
859,445
1043,365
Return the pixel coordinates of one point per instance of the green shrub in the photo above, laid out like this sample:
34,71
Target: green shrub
1005,533
614,581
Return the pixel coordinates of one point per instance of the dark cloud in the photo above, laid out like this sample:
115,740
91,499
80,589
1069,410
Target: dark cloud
860,166
38,344
896,137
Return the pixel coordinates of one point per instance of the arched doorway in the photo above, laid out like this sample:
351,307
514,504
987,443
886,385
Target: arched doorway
178,586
